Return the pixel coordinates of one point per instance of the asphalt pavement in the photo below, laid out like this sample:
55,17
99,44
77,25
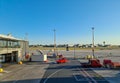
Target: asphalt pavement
37,72
28,72
71,72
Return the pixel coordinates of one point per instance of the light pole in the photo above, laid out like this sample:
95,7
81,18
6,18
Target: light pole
54,40
25,42
93,41
74,51
25,48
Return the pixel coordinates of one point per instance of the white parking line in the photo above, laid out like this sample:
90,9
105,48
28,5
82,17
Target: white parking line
89,76
83,73
74,74
77,78
51,75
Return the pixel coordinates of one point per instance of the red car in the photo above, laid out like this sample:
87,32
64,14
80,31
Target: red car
62,60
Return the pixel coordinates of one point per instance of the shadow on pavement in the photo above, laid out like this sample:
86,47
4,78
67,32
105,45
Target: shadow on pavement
23,81
79,79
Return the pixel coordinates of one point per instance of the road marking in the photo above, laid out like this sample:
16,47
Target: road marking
77,78
86,76
51,75
89,76
74,74
83,73
97,75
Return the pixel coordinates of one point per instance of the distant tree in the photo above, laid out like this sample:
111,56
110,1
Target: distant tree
119,46
83,46
61,45
104,43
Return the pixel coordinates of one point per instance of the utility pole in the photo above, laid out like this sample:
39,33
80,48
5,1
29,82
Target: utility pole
25,43
26,34
74,51
54,40
93,41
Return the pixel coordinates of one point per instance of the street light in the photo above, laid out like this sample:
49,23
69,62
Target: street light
25,43
54,40
74,51
93,41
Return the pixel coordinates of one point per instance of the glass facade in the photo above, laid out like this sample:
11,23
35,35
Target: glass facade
12,49
9,44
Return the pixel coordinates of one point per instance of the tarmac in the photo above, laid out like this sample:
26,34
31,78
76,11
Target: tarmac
32,72
29,72
112,75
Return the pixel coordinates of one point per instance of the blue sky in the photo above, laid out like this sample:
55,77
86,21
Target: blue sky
72,19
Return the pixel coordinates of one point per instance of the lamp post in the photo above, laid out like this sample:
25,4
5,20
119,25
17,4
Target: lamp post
74,51
25,43
25,47
54,40
93,41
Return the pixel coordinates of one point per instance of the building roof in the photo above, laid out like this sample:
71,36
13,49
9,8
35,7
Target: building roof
9,37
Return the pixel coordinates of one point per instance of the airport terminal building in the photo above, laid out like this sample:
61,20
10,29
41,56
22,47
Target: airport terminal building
12,49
